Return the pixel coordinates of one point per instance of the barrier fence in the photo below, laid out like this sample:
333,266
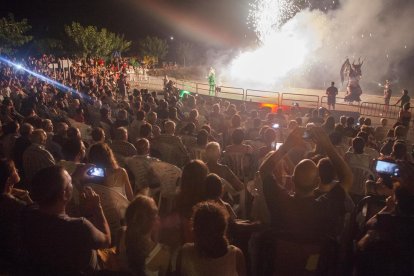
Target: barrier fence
284,99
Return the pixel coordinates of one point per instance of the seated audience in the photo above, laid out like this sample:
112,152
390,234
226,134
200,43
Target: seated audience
210,254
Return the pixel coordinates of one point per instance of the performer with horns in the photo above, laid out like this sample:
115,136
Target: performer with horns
353,73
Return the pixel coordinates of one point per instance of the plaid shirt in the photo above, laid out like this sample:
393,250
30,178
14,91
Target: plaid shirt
123,148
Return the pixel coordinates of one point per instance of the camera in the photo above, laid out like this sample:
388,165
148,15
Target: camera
97,172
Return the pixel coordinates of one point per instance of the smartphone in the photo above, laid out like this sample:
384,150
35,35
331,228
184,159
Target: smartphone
387,168
275,126
98,172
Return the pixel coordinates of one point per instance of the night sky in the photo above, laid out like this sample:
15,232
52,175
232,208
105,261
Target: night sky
133,18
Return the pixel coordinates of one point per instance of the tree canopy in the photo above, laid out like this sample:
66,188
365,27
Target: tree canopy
154,48
90,41
13,34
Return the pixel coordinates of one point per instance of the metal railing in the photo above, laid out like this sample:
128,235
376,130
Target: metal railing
304,100
368,109
262,95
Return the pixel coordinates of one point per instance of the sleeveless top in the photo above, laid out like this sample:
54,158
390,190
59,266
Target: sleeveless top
193,264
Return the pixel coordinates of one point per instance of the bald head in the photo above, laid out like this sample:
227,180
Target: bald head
305,177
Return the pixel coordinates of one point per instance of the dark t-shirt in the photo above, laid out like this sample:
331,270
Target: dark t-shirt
310,217
10,243
332,91
59,243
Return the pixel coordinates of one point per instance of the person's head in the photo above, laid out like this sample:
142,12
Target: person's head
330,122
405,92
236,121
336,138
237,136
209,229
74,133
254,114
350,121
51,187
292,124
299,121
102,156
26,130
121,134
73,150
326,171
38,136
189,129
140,115
143,146
47,125
98,135
399,150
364,135
122,115
192,186
269,136
145,131
257,123
152,117
406,106
172,113
332,83
358,144
62,129
216,108
11,127
305,177
367,121
213,152
193,115
141,218
169,127
400,132
202,138
342,120
8,175
384,122
214,187
361,120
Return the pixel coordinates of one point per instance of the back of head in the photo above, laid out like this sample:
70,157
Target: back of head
143,146
145,131
209,228
213,151
358,144
98,134
140,217
384,122
121,134
214,187
399,150
140,115
38,136
202,138
169,127
400,131
47,125
102,156
367,121
192,186
306,177
326,171
26,130
72,149
47,186
122,115
237,136
350,121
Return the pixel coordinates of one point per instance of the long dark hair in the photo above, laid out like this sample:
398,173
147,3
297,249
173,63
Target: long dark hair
192,190
140,217
209,228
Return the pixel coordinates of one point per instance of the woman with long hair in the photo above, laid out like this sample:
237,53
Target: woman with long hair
116,177
139,249
210,254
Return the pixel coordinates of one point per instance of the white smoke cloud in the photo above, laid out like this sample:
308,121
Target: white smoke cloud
310,48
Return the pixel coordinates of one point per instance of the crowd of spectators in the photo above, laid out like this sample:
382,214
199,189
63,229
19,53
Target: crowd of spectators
105,178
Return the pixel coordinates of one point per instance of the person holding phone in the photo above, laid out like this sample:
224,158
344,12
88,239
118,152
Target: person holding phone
114,176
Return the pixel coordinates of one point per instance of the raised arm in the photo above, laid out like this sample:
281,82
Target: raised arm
342,169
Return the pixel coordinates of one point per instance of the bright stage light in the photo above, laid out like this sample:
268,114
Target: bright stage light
41,77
